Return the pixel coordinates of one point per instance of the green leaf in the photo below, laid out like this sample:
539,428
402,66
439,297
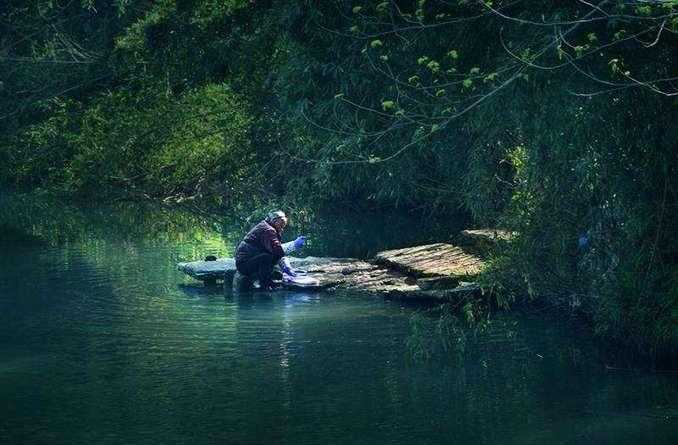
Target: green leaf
467,83
644,10
387,105
475,70
357,9
453,54
433,66
376,43
490,77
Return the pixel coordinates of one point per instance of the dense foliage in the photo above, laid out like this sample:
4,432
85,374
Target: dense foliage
554,119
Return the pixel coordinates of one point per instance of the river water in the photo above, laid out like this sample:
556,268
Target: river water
103,341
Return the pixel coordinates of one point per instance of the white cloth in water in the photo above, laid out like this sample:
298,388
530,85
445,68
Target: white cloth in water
300,280
284,263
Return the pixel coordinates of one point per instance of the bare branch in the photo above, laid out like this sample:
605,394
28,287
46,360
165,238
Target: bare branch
586,19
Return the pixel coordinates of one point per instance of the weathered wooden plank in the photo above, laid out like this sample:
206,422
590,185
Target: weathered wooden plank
491,235
482,241
438,259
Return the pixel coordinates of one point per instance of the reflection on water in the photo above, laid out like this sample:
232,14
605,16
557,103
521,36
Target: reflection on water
42,220
102,340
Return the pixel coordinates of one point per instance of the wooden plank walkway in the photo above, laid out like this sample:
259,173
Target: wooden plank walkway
433,260
434,272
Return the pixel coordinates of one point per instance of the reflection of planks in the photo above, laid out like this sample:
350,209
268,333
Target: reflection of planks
433,260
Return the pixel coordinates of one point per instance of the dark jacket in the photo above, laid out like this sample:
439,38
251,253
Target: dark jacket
262,238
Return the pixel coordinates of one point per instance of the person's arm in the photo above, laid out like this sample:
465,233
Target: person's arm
294,245
271,243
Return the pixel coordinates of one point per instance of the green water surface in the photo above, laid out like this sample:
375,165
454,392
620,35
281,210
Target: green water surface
103,341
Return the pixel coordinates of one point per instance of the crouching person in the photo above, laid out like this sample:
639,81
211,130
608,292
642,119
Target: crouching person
261,250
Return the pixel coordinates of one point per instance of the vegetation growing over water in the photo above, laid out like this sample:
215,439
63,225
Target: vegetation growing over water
556,120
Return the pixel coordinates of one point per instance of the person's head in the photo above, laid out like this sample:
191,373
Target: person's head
277,219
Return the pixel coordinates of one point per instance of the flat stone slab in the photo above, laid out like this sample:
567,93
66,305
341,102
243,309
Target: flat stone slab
221,269
433,260
224,268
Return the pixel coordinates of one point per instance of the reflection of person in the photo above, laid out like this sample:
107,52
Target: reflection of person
262,249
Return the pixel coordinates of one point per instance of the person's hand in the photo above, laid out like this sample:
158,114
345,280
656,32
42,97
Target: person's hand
286,268
299,242
288,271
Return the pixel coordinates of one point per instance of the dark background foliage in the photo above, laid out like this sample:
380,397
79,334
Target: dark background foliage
553,119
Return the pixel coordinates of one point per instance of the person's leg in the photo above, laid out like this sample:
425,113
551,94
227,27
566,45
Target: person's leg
265,269
249,266
259,266
241,282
